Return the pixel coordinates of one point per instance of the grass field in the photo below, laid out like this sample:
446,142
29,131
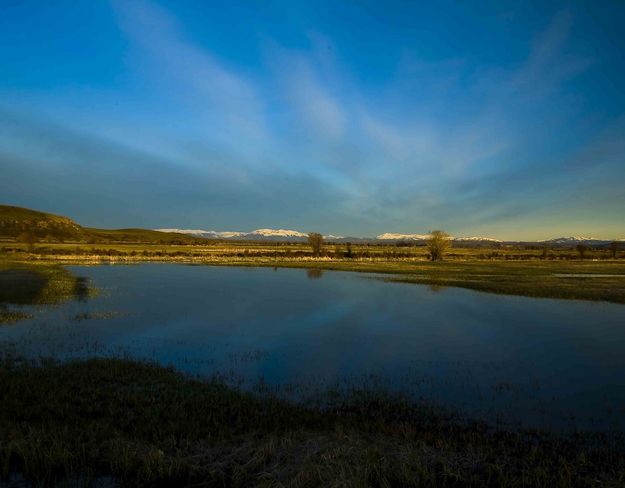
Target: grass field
216,248
143,425
514,271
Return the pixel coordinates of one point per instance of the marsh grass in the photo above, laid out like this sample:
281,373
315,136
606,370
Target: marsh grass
81,317
142,424
8,316
579,280
601,280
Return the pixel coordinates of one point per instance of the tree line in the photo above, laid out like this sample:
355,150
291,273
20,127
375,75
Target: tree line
438,244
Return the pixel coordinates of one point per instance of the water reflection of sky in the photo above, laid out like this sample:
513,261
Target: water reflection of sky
535,360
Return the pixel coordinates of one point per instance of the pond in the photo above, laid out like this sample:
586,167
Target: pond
520,361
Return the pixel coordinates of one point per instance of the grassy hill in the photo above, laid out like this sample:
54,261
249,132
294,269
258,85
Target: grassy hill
141,235
23,224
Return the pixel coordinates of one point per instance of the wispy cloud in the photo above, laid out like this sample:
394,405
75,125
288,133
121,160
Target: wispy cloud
319,111
230,104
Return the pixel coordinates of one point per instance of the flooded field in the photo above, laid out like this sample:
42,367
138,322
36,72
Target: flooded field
516,360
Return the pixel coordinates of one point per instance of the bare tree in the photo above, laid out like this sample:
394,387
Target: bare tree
316,241
581,249
438,243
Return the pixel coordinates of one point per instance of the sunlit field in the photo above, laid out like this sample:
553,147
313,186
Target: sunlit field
300,250
557,273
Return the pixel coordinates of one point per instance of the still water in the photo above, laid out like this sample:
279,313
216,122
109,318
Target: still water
534,362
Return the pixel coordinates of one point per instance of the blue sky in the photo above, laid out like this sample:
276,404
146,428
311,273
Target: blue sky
504,119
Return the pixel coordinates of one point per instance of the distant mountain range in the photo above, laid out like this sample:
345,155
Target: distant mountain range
389,237
287,234
573,240
422,237
255,234
18,223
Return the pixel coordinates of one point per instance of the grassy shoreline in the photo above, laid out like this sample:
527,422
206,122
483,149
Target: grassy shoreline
601,280
142,424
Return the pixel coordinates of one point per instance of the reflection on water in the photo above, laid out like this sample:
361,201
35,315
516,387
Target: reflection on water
82,289
314,273
23,285
434,288
542,362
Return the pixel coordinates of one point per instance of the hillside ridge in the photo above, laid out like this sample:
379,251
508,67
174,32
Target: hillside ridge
28,225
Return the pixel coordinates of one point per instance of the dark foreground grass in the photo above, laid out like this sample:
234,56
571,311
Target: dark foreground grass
140,424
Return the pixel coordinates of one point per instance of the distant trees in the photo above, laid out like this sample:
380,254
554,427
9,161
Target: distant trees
349,253
438,243
29,238
614,247
581,249
338,252
316,242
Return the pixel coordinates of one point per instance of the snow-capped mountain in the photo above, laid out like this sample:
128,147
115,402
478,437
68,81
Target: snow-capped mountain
476,239
389,236
574,240
211,234
271,234
277,233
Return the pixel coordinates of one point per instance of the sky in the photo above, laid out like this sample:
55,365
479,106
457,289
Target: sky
499,119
